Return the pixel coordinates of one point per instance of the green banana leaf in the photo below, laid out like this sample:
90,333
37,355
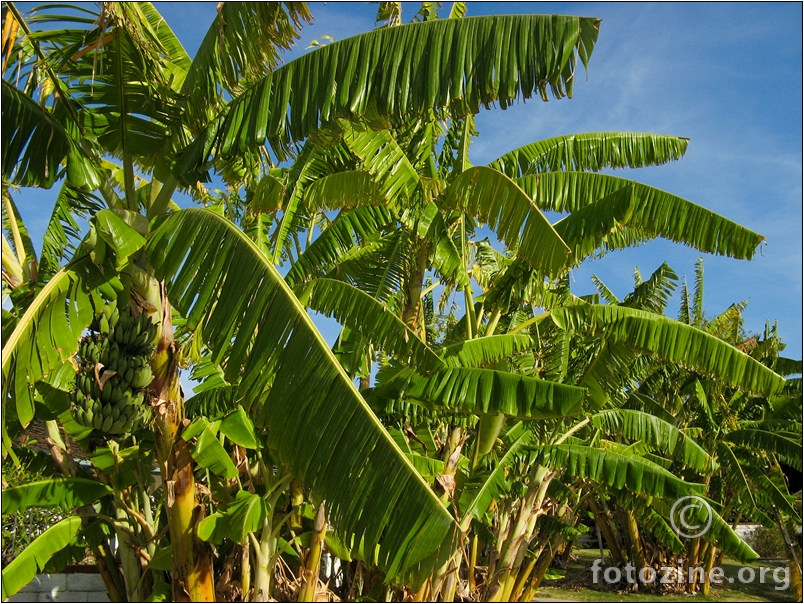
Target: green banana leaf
293,385
22,569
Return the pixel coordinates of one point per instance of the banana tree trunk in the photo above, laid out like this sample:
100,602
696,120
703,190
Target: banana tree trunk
632,530
413,293
711,555
512,553
129,560
192,560
109,572
602,520
313,562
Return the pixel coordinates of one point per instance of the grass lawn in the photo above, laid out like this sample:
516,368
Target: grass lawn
577,585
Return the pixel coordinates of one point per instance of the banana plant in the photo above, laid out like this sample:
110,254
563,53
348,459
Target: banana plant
382,246
107,103
739,426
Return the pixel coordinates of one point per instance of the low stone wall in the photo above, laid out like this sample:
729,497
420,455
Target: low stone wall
70,587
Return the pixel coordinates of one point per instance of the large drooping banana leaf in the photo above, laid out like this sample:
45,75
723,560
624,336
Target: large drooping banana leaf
591,151
453,65
471,390
654,431
356,309
290,382
656,213
787,448
672,341
485,351
66,493
35,142
22,569
48,333
618,470
503,205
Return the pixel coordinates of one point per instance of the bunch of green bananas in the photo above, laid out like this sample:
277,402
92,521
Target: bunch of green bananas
114,370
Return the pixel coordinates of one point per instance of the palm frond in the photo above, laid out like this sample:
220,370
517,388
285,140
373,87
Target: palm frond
772,491
446,260
481,488
240,46
653,294
345,190
684,314
62,232
382,157
697,297
727,325
34,141
314,162
787,367
604,292
260,334
586,230
591,152
612,372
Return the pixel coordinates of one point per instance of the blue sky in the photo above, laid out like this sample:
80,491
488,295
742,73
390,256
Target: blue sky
726,75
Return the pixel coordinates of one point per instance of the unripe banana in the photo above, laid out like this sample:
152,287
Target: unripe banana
107,423
142,378
116,427
97,421
96,406
126,399
142,340
80,383
107,391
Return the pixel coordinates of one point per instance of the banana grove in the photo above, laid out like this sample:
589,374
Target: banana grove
473,416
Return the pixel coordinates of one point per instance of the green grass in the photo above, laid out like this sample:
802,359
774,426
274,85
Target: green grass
577,585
